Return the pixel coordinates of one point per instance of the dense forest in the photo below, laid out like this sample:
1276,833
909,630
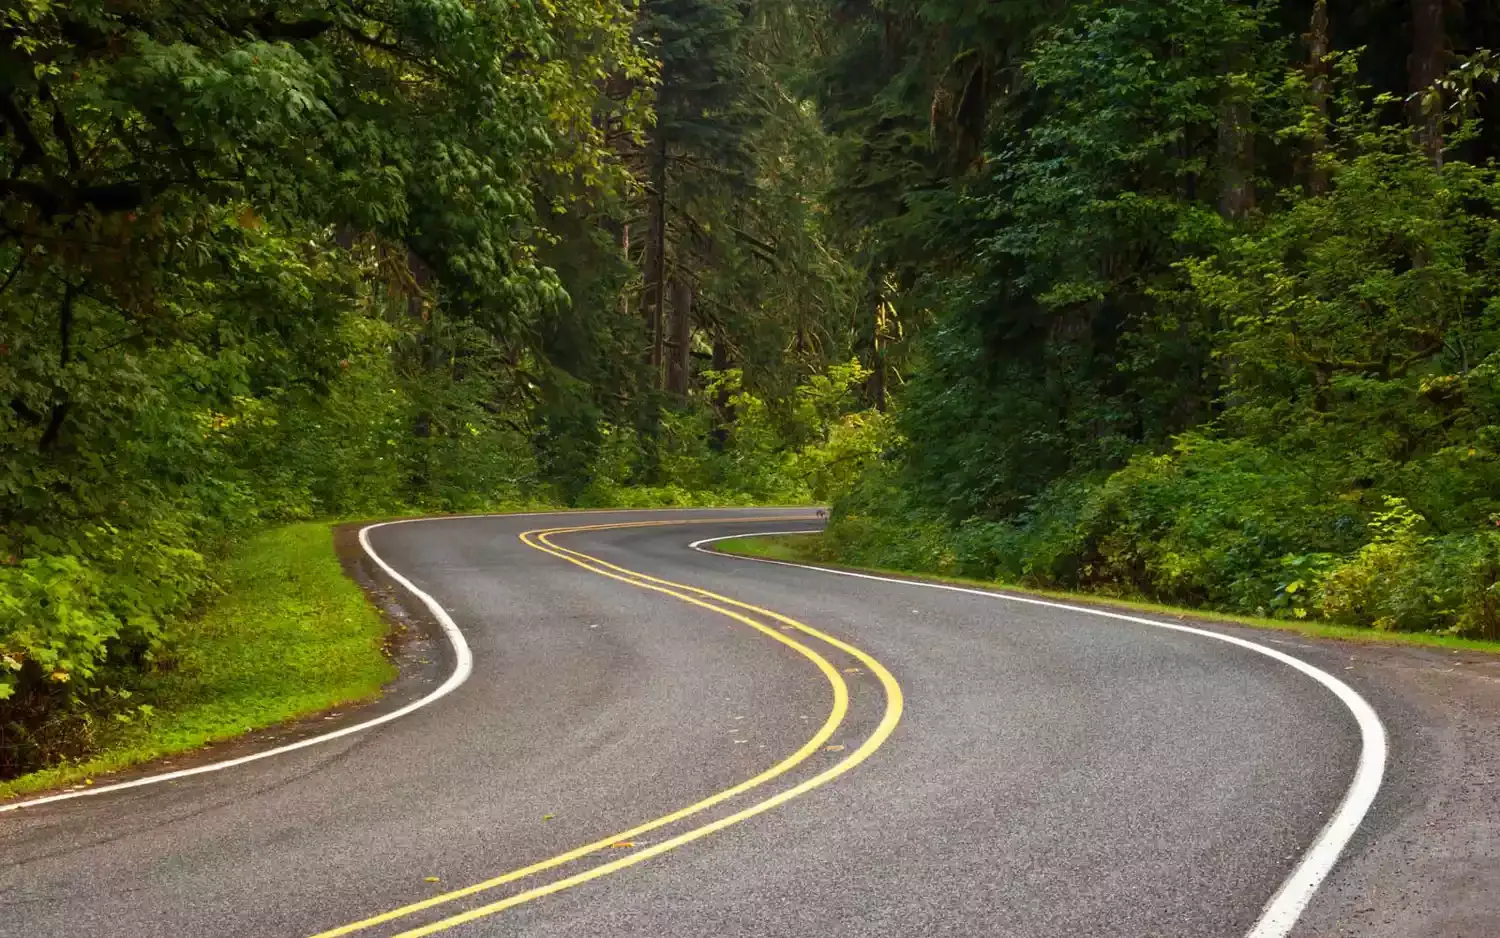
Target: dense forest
1207,294
1197,300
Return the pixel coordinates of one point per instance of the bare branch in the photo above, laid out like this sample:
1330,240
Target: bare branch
60,128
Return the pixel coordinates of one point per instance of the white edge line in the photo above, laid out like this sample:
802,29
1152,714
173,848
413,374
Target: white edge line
463,666
1281,913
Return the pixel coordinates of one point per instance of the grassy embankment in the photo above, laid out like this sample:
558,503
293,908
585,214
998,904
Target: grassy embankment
808,548
291,635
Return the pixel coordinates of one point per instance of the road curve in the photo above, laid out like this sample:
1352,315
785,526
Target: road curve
707,747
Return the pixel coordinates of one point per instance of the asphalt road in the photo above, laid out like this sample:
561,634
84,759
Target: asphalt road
1052,773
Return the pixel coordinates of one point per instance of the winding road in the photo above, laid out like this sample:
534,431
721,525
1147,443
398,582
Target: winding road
631,737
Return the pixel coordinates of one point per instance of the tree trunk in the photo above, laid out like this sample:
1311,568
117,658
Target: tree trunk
428,360
1236,143
421,276
875,385
1236,160
653,299
880,327
679,366
1429,29
61,400
1317,69
723,409
625,255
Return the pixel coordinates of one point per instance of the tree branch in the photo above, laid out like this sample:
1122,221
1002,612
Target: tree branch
396,51
60,128
269,27
31,148
111,198
20,262
60,406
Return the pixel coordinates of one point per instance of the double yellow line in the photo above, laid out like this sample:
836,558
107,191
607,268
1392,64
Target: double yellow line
723,605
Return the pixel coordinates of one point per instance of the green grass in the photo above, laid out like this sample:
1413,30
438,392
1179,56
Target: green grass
793,548
806,548
290,636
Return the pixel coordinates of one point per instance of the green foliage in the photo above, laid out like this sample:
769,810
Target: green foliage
252,260
1407,579
788,452
1364,322
1388,583
1189,305
288,635
1062,344
75,622
1198,318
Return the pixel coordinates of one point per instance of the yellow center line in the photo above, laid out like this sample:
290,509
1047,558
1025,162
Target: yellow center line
887,725
835,718
887,681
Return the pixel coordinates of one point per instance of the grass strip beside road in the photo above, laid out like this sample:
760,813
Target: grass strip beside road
290,636
809,549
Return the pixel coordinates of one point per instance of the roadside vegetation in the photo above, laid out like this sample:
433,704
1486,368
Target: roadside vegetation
815,549
266,264
288,635
1195,301
1210,295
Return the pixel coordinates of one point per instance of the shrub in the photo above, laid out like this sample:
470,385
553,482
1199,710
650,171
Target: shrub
1410,580
76,629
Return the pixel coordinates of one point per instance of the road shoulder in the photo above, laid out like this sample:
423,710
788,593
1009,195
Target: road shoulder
1425,863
